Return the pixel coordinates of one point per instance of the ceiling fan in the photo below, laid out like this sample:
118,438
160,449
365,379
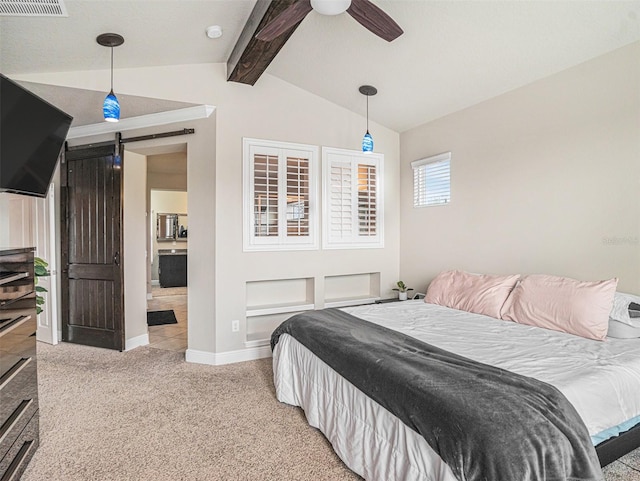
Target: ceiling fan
364,12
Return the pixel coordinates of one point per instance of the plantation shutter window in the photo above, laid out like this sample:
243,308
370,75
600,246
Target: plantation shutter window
341,200
432,180
265,192
367,200
297,196
352,207
280,197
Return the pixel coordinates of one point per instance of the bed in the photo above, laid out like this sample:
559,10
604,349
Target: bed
600,379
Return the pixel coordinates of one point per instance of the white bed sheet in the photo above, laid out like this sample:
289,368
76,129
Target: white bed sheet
600,378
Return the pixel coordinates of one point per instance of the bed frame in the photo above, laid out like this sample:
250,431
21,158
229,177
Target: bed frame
611,449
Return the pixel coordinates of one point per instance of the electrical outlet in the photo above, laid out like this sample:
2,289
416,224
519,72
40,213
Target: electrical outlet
235,325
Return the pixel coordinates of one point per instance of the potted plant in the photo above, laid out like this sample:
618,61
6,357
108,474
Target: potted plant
402,290
40,270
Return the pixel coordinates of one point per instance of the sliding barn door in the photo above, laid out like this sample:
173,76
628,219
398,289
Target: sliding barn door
92,286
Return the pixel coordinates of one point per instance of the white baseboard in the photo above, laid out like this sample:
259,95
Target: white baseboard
155,282
137,341
230,357
149,296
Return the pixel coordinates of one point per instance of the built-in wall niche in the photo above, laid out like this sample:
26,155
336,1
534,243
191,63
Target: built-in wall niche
351,289
271,301
277,296
259,328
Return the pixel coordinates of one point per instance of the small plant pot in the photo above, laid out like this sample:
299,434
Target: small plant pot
402,296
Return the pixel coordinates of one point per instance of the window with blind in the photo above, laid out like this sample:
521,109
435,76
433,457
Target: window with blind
432,180
353,201
279,195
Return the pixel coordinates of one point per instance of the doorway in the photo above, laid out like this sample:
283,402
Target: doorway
168,248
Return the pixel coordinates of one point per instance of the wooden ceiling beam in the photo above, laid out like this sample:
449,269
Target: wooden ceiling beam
251,57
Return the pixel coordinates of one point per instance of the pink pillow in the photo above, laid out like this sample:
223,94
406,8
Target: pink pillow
562,304
482,294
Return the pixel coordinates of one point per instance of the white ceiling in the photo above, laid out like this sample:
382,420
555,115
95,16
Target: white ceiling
452,55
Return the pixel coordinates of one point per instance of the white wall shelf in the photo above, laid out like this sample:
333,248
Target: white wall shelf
254,311
350,301
351,289
271,301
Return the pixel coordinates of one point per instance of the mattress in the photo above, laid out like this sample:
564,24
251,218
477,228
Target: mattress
601,380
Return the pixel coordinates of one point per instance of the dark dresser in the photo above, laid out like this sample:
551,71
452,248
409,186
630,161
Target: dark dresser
18,376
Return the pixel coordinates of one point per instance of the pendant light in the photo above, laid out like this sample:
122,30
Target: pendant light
367,140
111,106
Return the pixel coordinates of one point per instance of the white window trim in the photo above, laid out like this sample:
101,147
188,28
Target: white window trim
431,160
280,242
376,242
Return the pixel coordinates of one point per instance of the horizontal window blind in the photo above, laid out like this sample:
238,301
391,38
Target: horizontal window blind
432,180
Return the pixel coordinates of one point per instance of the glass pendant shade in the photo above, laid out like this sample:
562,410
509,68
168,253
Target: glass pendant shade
367,142
111,108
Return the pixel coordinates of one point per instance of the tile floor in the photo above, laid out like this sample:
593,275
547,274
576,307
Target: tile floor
170,337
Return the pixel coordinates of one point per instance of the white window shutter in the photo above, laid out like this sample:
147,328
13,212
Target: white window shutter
280,195
340,200
353,202
265,193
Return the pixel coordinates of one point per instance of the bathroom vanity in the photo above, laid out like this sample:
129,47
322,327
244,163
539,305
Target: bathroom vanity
172,267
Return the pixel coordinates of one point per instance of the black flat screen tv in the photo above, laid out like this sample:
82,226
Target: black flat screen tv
32,132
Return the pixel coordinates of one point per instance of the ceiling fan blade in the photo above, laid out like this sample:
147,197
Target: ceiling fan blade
285,21
371,17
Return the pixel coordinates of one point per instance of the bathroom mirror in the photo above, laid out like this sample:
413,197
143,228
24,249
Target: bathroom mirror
171,227
182,226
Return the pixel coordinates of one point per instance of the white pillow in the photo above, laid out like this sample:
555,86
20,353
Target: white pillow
622,331
620,309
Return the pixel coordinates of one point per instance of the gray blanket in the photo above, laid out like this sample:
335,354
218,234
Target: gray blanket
486,423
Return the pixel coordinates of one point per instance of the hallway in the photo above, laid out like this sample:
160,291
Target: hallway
170,337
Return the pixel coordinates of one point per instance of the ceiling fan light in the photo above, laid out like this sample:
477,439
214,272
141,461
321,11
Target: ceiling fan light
330,7
111,108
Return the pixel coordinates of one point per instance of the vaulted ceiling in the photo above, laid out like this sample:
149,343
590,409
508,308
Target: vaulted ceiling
453,54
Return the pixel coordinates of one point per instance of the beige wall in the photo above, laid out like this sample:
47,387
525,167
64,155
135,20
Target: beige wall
275,110
167,171
545,179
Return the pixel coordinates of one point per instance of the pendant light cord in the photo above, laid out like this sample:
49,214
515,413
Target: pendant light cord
367,113
112,72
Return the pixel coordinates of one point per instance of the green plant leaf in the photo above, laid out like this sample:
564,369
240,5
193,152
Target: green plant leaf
41,271
38,261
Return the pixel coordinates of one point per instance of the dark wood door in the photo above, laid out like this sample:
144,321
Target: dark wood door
92,286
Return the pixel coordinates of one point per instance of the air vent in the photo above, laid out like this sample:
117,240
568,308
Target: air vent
33,8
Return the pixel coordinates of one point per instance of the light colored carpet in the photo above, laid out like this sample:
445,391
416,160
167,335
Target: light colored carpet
147,415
